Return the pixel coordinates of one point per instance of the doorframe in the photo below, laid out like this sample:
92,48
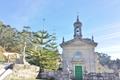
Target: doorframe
81,66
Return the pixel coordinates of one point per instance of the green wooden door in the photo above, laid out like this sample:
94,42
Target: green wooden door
78,73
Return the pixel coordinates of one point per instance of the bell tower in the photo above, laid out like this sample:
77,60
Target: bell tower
77,28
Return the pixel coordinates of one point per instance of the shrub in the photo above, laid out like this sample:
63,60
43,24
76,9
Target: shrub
2,50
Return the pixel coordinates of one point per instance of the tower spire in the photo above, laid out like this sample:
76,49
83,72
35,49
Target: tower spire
63,40
77,28
77,18
92,38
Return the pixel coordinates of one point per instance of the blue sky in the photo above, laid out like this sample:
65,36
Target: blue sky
100,18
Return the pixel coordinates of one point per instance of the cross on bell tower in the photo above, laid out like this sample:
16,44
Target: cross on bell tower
77,28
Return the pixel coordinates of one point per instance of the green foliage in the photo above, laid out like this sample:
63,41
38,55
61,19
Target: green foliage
2,58
39,47
7,37
13,40
21,38
44,53
105,60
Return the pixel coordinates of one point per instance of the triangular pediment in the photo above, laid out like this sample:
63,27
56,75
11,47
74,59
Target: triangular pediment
79,42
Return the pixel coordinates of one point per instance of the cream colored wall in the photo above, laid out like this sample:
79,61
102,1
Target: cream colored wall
87,52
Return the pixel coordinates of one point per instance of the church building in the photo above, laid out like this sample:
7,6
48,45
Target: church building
78,54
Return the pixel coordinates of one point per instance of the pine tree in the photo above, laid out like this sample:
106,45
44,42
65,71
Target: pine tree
44,52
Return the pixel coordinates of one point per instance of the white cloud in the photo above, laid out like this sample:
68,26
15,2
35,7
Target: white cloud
107,32
108,39
113,51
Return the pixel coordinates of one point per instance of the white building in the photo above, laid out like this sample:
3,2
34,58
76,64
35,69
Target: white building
79,53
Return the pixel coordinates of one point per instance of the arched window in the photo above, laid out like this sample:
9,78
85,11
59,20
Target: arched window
77,56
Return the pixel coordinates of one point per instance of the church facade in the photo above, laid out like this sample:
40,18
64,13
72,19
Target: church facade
78,54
